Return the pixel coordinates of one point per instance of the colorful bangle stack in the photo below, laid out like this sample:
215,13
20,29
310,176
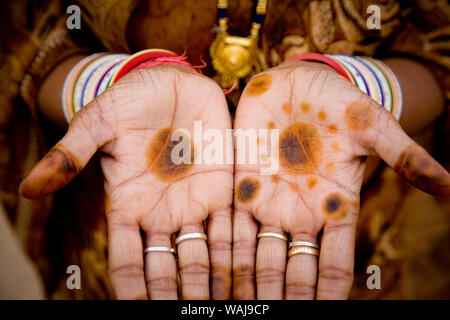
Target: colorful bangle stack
372,76
95,73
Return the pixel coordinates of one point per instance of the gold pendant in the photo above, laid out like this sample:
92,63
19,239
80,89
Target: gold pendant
232,57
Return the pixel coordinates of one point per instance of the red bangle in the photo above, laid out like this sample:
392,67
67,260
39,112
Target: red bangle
147,58
311,56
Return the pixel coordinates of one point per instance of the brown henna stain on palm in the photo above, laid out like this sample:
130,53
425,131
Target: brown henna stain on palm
322,115
56,169
275,178
305,107
300,148
333,129
293,186
359,115
287,108
159,157
417,166
329,166
312,181
335,146
248,189
271,125
336,206
259,85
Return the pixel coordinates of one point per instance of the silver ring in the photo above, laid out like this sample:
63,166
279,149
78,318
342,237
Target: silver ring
189,236
159,249
303,244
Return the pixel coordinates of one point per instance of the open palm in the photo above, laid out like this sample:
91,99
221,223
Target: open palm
326,128
132,124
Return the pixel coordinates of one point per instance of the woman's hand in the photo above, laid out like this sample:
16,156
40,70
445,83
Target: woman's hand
132,123
326,128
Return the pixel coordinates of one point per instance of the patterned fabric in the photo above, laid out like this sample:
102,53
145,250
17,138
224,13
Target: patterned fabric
69,228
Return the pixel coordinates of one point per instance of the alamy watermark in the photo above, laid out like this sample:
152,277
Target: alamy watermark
74,280
74,20
374,280
374,20
253,147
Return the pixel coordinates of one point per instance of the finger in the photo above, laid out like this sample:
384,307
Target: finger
219,240
244,254
160,269
87,132
126,263
193,265
336,260
338,245
301,272
394,146
270,266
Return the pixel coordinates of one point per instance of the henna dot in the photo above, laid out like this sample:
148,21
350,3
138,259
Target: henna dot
159,156
322,115
275,178
271,125
359,115
329,166
287,108
293,186
333,129
336,206
300,148
335,146
259,85
248,190
305,107
312,181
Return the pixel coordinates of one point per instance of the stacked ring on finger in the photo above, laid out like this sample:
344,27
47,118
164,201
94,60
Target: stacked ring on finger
273,235
190,236
159,249
303,247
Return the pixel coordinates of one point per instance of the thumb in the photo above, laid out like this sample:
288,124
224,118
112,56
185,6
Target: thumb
397,149
87,132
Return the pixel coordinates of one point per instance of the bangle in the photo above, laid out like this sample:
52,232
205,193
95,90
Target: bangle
148,58
311,56
68,87
397,96
371,76
98,68
95,73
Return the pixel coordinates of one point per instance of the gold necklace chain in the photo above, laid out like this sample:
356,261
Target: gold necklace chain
234,57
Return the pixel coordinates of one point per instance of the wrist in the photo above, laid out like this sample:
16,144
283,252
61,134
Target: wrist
371,76
95,73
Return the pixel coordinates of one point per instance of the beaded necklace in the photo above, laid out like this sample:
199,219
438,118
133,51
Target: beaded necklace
233,57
